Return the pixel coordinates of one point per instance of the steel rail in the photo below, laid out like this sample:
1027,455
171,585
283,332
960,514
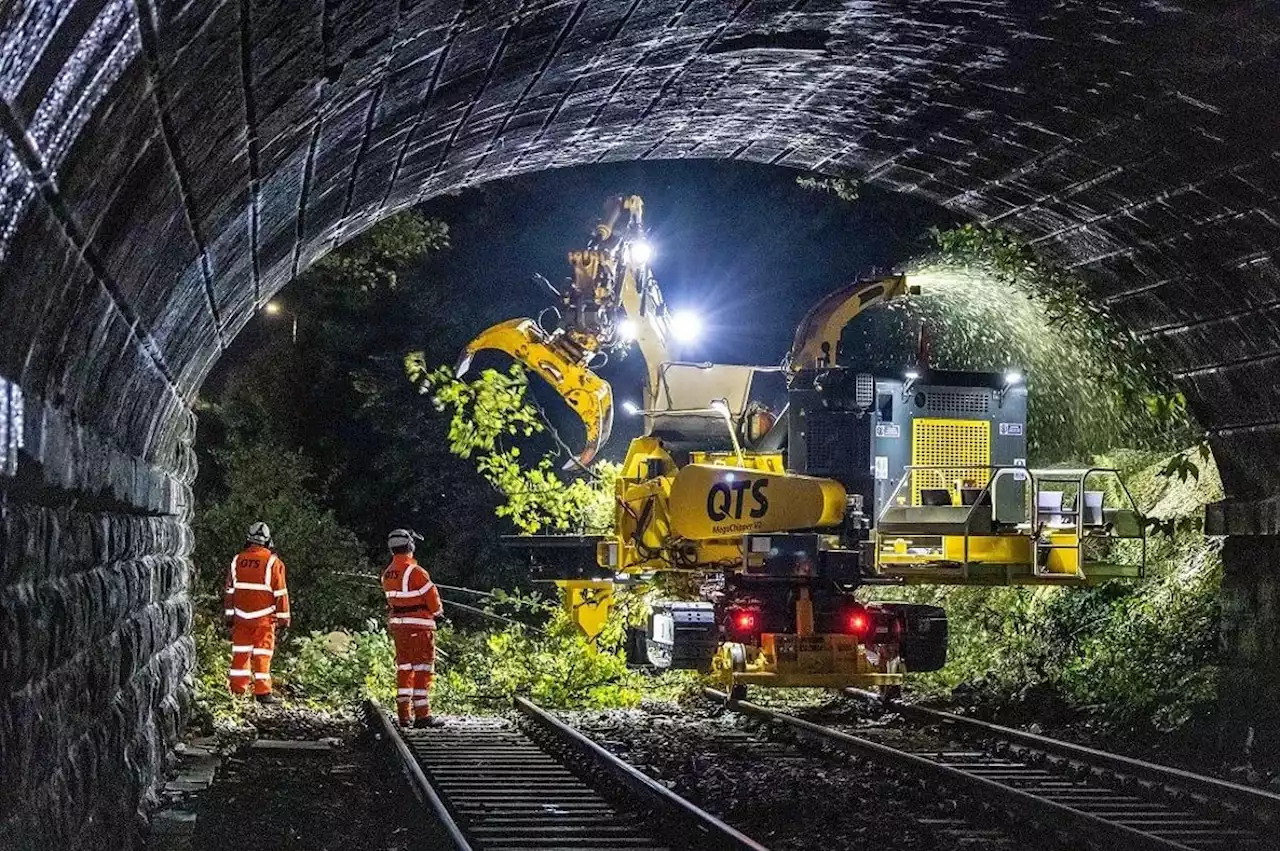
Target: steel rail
1265,804
715,833
422,787
491,785
982,787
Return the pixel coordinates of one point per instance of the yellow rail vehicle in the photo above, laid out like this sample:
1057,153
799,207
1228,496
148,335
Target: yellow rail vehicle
784,514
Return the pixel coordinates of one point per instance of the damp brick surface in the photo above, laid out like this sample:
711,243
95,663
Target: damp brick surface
166,166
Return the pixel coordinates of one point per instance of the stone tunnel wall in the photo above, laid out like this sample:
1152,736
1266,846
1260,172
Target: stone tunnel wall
94,632
167,165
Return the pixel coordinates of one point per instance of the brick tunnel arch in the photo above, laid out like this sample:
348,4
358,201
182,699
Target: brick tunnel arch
165,167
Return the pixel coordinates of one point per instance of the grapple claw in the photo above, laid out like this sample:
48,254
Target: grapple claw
544,354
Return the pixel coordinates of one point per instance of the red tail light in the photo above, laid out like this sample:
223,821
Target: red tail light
857,622
743,625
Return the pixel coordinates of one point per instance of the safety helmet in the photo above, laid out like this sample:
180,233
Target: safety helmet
260,534
402,538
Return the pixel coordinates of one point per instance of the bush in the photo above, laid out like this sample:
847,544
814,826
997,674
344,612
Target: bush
330,669
478,670
270,483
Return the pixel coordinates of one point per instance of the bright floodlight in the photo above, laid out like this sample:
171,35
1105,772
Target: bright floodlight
641,252
630,407
627,329
272,307
686,326
1012,376
912,375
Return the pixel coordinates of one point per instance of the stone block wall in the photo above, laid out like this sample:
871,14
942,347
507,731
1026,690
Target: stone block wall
95,652
1250,641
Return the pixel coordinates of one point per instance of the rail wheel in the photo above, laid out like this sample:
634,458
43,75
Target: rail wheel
731,660
890,694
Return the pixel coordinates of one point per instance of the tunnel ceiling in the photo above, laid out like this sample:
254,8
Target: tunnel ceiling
167,166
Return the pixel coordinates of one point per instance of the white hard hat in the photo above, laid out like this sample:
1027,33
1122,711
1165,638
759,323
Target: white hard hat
400,538
259,533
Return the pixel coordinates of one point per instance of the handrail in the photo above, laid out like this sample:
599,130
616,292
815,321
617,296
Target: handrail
1037,477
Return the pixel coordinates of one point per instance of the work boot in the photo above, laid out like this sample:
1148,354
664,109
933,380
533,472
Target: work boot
267,699
428,721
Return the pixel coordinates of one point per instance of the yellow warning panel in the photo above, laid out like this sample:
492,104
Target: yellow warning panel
588,602
961,448
987,549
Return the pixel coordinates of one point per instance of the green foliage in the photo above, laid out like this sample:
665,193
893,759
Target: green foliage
338,397
485,416
842,187
989,302
1118,366
484,411
213,701
1182,465
275,485
555,666
479,670
334,668
372,263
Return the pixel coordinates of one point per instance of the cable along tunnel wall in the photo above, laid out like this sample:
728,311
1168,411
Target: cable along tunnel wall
165,167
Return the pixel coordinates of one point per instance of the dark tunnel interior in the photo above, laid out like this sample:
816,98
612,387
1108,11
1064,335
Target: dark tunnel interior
165,167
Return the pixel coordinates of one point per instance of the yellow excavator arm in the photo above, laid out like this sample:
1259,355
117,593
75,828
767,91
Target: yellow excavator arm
611,300
544,354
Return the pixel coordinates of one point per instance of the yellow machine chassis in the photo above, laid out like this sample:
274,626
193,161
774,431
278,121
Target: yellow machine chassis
939,546
844,658
693,516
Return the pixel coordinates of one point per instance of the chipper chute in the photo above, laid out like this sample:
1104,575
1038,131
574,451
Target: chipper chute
559,363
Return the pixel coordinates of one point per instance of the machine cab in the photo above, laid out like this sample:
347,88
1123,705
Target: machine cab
938,460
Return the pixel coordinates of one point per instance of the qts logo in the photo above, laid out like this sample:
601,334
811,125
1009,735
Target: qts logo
728,500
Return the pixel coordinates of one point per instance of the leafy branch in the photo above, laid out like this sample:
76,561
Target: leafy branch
495,409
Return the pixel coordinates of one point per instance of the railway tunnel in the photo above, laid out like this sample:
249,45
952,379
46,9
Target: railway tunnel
165,167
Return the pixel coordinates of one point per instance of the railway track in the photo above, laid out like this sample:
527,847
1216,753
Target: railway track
495,785
1109,801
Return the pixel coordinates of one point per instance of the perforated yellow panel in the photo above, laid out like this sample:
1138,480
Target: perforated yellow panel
942,443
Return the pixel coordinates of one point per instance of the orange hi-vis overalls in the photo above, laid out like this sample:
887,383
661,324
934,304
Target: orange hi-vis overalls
256,598
413,603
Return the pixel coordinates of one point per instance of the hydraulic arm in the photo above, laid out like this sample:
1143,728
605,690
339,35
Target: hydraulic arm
610,301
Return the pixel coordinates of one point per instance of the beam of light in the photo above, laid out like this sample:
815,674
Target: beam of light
272,307
686,326
1012,376
630,407
627,330
640,252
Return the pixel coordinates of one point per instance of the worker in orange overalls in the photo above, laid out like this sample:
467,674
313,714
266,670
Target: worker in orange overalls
413,604
255,601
